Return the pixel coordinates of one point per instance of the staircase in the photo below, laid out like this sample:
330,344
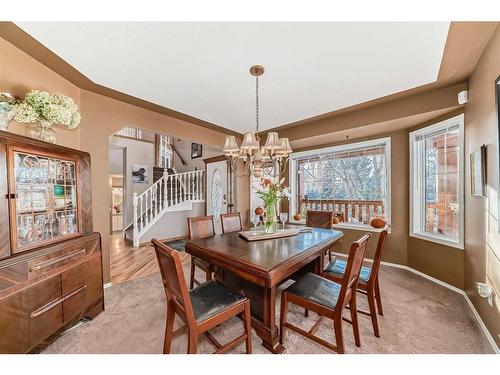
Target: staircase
170,193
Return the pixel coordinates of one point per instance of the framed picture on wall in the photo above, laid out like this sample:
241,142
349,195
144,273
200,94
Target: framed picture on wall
140,174
478,172
196,150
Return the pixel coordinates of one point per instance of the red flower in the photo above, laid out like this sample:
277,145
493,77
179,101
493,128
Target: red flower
266,182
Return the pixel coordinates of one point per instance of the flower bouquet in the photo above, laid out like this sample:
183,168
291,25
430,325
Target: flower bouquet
46,110
272,193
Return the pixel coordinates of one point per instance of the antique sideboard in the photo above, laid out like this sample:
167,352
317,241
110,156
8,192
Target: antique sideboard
50,258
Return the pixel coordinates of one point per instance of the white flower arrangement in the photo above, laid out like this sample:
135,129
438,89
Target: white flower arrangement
48,109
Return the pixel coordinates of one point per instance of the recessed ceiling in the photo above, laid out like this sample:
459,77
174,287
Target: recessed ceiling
201,69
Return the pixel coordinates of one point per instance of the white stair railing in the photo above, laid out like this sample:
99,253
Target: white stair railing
163,196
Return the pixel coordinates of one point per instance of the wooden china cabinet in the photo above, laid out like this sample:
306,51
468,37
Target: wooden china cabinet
50,258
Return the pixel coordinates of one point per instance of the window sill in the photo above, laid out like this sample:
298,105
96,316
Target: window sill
360,227
437,239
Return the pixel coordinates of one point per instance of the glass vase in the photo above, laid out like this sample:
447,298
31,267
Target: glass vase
43,131
271,221
5,115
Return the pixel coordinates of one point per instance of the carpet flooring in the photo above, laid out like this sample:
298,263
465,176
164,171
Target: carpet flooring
419,317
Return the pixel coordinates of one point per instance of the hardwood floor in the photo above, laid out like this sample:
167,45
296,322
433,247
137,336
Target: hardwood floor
129,263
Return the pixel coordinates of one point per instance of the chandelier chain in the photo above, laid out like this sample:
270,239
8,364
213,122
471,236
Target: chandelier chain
257,103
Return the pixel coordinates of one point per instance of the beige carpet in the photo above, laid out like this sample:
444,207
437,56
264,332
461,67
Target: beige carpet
419,317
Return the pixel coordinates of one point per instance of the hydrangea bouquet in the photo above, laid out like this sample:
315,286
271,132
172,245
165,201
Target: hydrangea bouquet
47,110
7,103
272,193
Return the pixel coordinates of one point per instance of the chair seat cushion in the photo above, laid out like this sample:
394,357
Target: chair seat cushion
316,289
211,298
203,264
337,268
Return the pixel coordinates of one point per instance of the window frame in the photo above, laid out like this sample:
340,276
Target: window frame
417,181
293,158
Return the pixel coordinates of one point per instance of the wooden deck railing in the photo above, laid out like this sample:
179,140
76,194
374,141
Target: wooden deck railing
358,211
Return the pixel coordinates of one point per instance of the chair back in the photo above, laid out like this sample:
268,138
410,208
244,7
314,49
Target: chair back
353,268
378,255
231,222
200,227
319,219
172,275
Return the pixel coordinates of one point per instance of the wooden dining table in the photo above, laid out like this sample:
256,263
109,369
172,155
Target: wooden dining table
257,268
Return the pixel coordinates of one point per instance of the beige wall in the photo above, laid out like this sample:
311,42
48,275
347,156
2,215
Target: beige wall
101,117
482,240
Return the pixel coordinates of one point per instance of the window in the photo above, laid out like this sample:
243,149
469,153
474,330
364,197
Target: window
164,151
436,182
351,180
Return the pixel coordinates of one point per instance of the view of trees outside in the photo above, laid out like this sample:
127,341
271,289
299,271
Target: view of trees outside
441,154
335,177
351,183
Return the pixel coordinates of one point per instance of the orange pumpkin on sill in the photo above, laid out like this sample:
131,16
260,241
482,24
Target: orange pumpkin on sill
378,222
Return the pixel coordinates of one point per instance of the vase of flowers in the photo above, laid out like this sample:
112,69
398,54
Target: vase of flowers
7,103
42,111
272,193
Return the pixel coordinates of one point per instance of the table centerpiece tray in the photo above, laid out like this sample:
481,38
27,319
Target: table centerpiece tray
260,234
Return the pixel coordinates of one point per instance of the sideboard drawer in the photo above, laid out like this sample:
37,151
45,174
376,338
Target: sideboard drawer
45,263
44,308
74,287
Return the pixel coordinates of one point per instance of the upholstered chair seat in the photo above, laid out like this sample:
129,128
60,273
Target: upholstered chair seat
337,268
316,289
211,298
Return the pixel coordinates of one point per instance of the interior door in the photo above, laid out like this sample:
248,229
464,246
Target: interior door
217,191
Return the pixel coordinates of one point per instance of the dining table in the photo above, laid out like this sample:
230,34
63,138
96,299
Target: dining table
258,268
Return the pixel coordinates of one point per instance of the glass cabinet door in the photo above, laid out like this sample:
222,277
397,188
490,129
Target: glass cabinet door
45,207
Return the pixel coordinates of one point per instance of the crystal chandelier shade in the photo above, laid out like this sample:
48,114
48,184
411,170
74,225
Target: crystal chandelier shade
270,158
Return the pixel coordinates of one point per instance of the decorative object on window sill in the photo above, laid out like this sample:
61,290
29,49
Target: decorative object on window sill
478,172
272,193
42,111
378,222
297,217
7,104
271,158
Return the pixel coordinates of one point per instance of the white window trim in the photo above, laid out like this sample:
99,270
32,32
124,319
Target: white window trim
416,186
292,177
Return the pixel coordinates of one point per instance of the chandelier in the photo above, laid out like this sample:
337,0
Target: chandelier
269,159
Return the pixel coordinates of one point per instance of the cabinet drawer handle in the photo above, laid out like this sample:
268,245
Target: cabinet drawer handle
50,262
56,302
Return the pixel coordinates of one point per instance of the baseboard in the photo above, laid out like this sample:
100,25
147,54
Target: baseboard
487,333
481,323
107,285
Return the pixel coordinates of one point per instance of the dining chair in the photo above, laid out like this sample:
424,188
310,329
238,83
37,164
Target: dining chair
200,227
328,299
320,219
202,308
368,280
231,222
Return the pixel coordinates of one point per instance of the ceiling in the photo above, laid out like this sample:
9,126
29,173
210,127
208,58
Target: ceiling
201,69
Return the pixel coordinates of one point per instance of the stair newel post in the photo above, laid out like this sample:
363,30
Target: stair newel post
164,188
135,230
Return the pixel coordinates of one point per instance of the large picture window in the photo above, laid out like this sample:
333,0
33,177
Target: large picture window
351,180
436,182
